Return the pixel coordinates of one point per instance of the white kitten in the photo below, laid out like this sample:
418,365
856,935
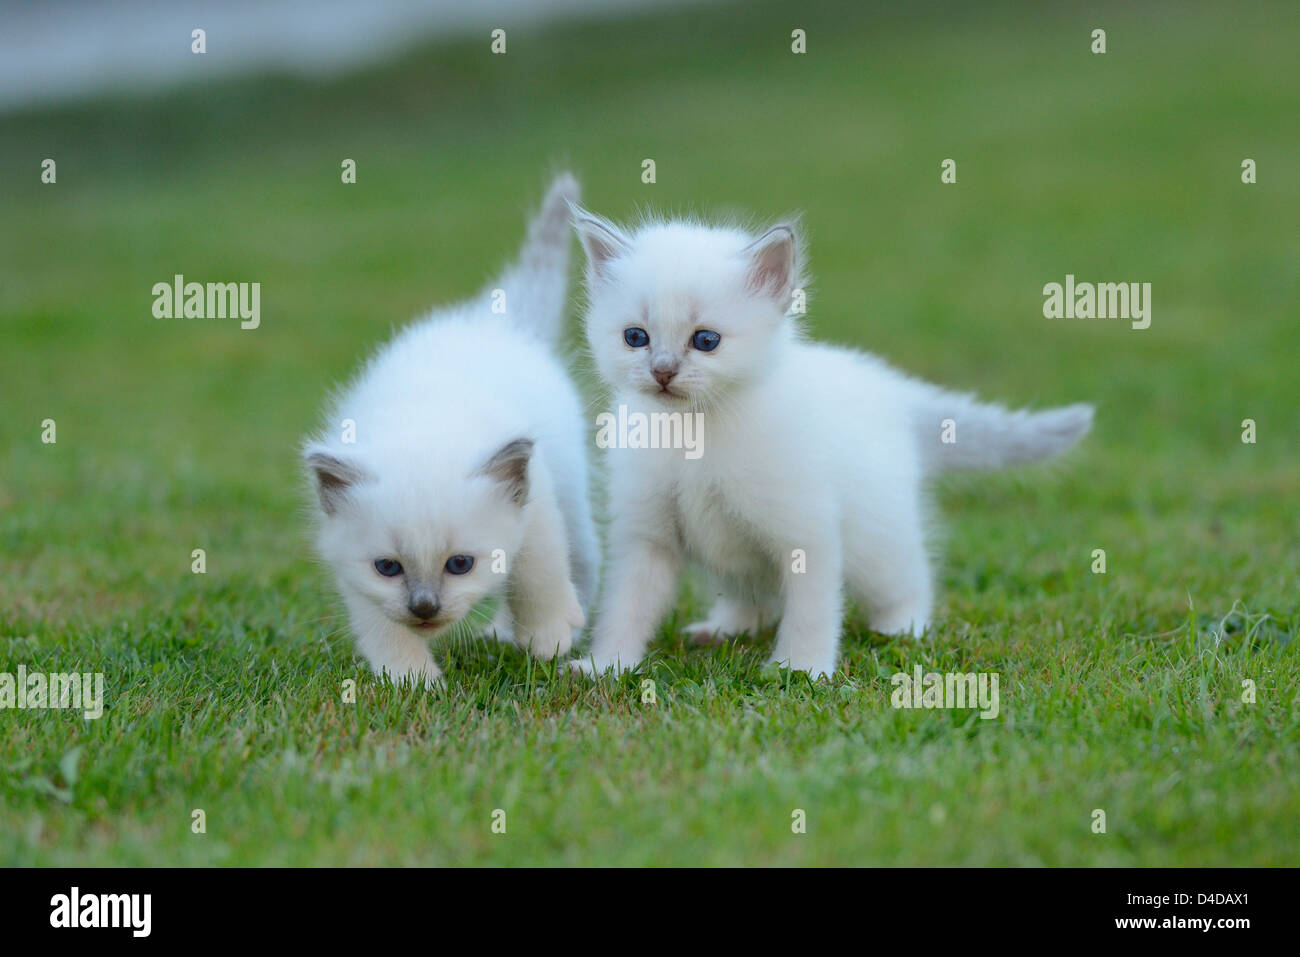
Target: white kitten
814,456
468,473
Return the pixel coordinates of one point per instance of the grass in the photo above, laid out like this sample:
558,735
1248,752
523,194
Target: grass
1121,691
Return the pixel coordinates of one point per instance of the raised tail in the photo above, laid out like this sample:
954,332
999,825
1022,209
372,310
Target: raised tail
536,285
959,432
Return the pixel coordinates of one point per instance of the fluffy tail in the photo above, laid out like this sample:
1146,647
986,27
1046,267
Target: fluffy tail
959,432
537,284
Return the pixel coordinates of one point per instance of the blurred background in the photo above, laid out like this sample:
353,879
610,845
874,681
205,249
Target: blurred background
225,166
58,50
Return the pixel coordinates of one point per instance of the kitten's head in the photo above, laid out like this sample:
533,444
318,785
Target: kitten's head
413,540
685,313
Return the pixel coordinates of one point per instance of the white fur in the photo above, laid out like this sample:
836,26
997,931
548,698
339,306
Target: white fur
432,408
809,450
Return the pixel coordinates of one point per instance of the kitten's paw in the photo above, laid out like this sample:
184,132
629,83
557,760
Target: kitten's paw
427,676
574,614
906,620
594,667
502,628
548,639
711,631
726,620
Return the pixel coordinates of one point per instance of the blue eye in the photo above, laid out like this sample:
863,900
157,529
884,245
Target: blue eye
460,564
636,337
387,567
706,340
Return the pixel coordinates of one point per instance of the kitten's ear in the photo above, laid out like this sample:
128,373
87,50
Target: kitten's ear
772,264
334,477
509,466
602,240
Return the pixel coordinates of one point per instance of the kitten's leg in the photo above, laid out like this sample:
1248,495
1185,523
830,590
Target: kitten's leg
729,617
574,499
584,551
543,603
809,635
394,651
641,587
502,626
894,581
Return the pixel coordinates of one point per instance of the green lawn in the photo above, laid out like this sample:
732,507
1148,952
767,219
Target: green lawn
1121,692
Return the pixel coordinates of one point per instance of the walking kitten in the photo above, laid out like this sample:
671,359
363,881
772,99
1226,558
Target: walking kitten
468,473
810,482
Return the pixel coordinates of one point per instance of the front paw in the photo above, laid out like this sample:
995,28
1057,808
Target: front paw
573,614
548,639
594,666
502,627
426,675
906,621
726,619
706,633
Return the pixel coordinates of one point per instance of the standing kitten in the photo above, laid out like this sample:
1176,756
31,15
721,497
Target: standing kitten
468,474
814,456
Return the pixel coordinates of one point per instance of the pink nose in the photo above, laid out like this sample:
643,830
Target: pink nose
665,376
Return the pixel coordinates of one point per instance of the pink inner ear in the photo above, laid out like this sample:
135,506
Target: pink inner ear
601,242
770,272
601,248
